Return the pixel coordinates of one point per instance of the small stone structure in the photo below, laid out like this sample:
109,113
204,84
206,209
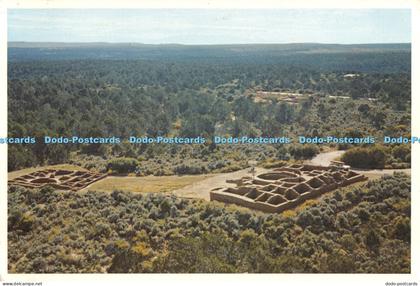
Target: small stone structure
58,179
287,97
285,188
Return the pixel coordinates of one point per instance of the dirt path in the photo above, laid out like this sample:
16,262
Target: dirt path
202,188
377,173
324,159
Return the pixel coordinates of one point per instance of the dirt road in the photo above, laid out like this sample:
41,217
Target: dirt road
377,173
324,159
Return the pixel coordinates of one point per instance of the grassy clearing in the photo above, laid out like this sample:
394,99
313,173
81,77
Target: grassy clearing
18,173
149,184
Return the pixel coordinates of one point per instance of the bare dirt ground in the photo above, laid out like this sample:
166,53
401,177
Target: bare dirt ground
202,188
148,184
324,159
377,173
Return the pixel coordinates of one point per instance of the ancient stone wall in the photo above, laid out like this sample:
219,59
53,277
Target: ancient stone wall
285,188
58,179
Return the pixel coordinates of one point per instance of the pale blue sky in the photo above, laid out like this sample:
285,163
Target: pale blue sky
210,26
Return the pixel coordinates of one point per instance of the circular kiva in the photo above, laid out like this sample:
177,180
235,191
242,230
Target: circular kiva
273,176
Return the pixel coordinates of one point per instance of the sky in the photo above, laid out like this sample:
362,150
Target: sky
201,26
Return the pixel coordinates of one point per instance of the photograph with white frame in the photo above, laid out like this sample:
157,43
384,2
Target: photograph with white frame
265,142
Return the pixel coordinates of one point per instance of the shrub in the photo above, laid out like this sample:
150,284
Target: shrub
402,152
123,165
19,220
401,228
231,168
187,169
269,164
304,152
364,108
359,157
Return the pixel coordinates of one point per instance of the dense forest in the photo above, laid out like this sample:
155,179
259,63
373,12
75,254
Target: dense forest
388,58
357,229
122,90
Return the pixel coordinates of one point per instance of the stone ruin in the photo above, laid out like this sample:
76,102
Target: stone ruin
58,179
285,188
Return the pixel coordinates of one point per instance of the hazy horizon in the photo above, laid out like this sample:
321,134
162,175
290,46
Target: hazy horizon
210,27
226,44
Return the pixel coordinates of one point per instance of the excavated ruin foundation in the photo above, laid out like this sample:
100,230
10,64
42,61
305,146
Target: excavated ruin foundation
58,179
285,188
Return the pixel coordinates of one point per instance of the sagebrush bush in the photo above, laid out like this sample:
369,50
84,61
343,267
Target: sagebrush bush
123,165
124,232
366,157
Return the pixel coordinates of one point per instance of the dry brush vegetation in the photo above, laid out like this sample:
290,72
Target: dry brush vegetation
359,229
